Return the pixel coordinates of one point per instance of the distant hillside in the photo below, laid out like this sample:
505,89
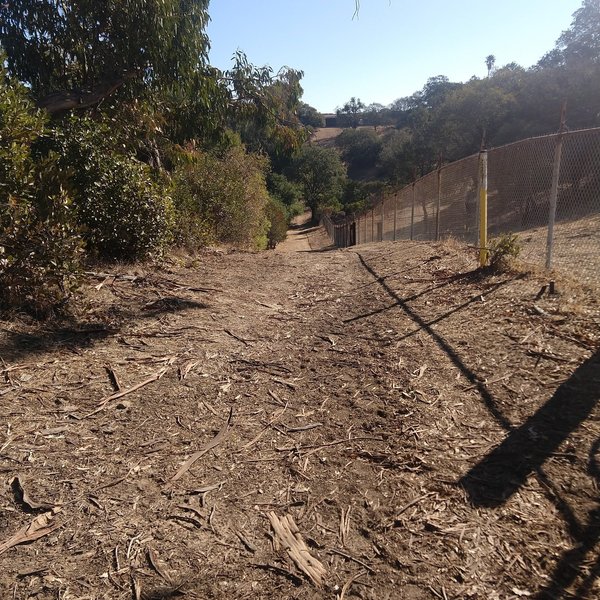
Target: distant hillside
325,136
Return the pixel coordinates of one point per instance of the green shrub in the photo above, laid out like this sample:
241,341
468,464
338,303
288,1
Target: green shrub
39,244
39,257
221,198
503,250
278,222
287,192
123,211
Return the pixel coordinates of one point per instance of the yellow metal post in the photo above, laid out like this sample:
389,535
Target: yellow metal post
483,189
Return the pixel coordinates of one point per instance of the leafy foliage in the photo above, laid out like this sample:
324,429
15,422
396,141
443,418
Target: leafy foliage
503,250
124,213
350,114
360,149
278,222
39,247
224,198
309,115
321,175
287,192
81,43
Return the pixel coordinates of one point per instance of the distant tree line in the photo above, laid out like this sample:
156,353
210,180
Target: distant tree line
451,120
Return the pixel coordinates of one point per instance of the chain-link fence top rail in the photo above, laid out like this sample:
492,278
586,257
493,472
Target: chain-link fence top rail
445,202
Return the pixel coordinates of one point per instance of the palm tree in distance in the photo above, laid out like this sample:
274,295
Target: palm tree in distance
490,61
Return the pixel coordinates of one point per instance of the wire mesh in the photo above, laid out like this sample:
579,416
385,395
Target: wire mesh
405,217
389,204
459,200
577,230
519,183
425,207
545,189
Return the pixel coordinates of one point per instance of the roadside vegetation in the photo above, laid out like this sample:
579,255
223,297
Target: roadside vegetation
117,144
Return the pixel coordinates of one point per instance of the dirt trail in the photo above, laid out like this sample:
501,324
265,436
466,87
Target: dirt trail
431,431
298,238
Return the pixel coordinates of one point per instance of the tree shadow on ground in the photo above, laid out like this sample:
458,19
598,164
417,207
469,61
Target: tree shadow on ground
73,335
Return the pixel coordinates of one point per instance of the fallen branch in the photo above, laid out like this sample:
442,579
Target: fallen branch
352,558
237,337
122,393
209,446
255,439
349,583
303,427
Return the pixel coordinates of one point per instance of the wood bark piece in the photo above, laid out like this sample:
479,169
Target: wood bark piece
288,535
42,525
209,446
23,497
102,404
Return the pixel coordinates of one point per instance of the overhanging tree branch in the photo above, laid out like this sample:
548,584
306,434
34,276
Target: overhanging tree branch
62,101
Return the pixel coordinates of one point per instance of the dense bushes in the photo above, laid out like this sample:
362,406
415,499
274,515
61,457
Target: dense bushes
67,188
123,212
74,188
278,222
39,244
220,198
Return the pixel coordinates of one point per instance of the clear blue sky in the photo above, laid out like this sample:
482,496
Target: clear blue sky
391,48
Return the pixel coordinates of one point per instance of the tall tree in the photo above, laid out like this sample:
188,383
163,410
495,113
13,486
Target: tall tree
79,51
350,112
321,175
582,40
490,61
309,115
263,108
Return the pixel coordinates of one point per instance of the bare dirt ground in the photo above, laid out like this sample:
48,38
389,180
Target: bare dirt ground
378,422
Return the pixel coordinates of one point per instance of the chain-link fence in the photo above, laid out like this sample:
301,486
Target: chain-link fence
545,189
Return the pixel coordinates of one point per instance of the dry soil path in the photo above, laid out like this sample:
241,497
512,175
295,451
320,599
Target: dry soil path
431,431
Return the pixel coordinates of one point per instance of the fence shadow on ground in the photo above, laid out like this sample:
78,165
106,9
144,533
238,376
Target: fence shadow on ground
572,563
505,470
502,472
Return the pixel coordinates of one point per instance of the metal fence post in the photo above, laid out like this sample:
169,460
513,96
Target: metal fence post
439,201
372,225
382,219
554,188
483,183
396,197
412,211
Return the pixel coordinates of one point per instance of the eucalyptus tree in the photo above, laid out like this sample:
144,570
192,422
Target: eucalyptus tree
74,53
